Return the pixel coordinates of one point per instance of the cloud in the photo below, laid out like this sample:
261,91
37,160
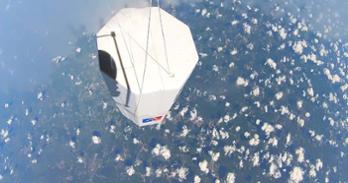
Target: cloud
325,16
34,32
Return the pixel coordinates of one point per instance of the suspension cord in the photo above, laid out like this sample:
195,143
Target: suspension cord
146,56
163,37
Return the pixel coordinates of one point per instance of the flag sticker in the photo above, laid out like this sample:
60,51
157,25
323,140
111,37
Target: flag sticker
154,119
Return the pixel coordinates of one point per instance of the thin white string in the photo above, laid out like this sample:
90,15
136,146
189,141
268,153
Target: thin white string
146,56
163,36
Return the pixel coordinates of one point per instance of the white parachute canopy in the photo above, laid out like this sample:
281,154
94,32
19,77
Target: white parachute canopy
146,55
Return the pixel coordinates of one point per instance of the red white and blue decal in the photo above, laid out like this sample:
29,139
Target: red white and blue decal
155,119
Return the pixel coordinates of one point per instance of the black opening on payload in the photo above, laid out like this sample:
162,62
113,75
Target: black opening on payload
109,72
107,64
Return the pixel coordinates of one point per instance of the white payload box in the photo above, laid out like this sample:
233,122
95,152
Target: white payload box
146,55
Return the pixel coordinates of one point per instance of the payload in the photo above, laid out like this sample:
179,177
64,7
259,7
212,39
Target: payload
146,55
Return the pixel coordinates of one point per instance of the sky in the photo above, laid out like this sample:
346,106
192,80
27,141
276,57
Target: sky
34,32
